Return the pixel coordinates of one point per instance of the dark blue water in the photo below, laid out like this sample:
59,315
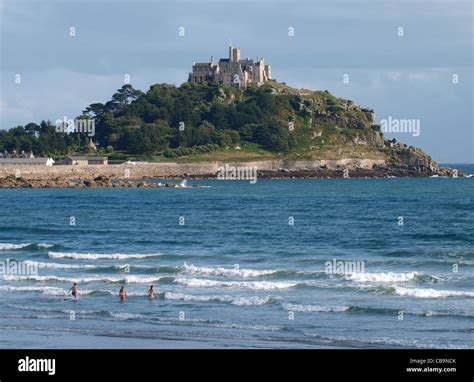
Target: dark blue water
238,270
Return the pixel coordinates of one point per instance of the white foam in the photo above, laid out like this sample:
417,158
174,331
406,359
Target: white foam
431,293
134,294
248,327
432,313
137,279
63,292
44,289
230,272
48,265
33,278
388,277
45,309
241,301
250,301
391,341
102,256
44,245
52,291
314,308
125,316
253,285
92,279
8,246
41,264
48,290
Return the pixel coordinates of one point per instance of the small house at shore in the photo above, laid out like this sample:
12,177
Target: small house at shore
26,161
84,161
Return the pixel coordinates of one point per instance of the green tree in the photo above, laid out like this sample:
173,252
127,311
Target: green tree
274,136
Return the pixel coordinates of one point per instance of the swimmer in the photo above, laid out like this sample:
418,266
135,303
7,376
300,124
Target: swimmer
122,295
73,290
151,292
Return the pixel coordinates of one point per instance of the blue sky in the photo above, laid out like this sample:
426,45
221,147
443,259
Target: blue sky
405,77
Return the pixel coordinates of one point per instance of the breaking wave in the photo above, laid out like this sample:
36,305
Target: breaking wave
101,256
252,285
232,272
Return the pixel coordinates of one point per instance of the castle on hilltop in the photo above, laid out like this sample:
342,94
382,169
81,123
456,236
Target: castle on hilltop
232,71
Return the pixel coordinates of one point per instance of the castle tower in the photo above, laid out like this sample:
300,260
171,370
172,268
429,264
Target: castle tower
234,54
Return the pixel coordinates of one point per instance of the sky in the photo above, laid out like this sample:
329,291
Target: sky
405,59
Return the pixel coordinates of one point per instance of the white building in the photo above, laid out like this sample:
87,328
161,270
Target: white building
26,161
84,160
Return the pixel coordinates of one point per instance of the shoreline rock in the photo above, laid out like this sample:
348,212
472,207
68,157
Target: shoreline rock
102,181
97,182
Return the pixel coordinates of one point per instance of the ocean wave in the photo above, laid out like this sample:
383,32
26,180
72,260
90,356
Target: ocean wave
432,313
103,268
43,289
390,277
55,310
45,245
344,340
230,272
253,285
368,309
161,269
85,280
461,254
41,264
126,316
167,295
9,246
314,308
82,292
33,278
399,253
100,256
430,293
241,301
373,310
234,325
54,291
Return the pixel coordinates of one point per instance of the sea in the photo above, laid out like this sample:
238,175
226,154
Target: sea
343,263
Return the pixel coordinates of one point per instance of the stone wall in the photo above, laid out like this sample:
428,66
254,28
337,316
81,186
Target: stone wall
162,170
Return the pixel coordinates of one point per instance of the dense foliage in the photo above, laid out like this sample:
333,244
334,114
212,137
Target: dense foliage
170,121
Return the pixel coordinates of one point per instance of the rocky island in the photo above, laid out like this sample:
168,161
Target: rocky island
191,131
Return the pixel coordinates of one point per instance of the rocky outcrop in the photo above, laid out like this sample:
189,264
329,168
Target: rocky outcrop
97,182
324,170
405,162
412,159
